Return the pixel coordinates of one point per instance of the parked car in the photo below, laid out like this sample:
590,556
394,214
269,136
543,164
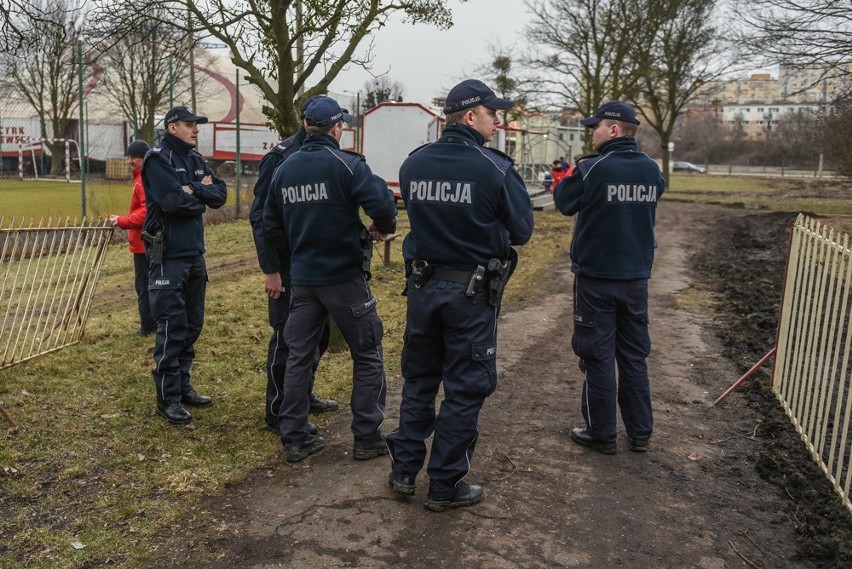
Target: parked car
687,167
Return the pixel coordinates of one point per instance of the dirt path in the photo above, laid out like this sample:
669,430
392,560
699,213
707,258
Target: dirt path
694,500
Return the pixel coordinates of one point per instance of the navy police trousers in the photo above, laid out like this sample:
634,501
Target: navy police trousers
353,308
278,352
450,340
611,331
177,288
143,303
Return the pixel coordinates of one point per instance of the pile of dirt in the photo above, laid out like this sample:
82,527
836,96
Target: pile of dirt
745,260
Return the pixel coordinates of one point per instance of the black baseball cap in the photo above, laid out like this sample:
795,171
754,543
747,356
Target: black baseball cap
614,111
324,111
183,114
471,93
137,148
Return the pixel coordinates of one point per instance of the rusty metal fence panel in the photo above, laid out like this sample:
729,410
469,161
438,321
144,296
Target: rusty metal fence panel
811,376
48,273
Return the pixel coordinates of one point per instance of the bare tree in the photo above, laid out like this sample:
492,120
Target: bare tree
683,56
587,51
16,20
381,90
791,142
504,74
140,70
798,32
700,136
289,49
45,69
836,138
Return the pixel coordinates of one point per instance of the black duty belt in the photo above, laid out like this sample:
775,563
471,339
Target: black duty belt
452,275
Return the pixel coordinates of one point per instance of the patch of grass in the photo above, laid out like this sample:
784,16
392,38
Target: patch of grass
92,464
549,244
694,300
811,196
59,199
727,184
809,206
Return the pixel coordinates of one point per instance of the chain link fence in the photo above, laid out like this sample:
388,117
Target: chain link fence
85,173
55,177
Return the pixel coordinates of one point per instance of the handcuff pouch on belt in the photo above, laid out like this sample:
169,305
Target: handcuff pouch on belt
420,272
476,278
156,245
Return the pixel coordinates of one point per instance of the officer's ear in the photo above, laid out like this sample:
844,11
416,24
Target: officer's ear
467,119
337,130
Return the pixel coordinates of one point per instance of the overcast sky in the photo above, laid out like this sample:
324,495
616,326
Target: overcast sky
429,61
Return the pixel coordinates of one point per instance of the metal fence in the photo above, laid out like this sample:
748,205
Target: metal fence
48,273
811,375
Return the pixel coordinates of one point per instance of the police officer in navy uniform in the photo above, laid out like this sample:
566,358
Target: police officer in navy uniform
179,187
275,265
313,211
614,195
467,206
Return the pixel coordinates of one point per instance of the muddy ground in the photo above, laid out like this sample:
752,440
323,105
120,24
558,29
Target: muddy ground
722,486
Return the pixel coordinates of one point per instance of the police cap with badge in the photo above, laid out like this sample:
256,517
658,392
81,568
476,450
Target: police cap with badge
182,114
613,111
307,103
471,93
325,112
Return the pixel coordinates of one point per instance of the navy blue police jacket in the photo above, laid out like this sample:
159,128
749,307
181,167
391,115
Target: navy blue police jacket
168,167
466,203
614,195
271,258
312,208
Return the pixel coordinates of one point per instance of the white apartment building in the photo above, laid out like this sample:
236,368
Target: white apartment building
811,84
759,119
808,84
759,102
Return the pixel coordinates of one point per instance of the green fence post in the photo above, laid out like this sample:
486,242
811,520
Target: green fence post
239,163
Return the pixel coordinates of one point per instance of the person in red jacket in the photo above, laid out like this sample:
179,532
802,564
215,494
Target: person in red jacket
557,172
132,222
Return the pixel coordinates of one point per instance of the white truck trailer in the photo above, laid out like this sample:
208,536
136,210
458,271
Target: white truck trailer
390,131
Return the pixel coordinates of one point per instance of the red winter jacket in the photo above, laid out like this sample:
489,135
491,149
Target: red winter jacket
132,222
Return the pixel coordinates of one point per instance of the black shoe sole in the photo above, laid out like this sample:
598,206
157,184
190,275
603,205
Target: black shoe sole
362,454
316,410
444,505
174,421
602,448
640,446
